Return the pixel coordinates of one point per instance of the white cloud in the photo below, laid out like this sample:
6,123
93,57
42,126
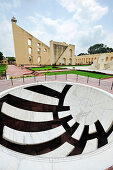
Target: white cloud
5,5
84,10
65,30
16,3
6,38
68,31
8,6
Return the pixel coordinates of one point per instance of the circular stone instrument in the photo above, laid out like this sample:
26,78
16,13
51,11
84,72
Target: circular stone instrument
54,125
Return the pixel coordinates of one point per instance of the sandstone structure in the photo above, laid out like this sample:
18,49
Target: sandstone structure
31,51
92,58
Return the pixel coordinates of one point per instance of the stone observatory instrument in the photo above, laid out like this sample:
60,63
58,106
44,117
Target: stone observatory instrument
56,122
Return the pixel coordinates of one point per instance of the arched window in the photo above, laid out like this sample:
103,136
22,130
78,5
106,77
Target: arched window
70,53
106,58
45,50
30,59
38,44
38,50
29,42
29,49
63,61
70,61
111,58
39,59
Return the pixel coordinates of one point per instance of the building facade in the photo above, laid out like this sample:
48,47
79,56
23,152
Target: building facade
89,59
31,51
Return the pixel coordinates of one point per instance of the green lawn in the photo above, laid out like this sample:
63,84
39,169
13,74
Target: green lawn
82,73
52,67
46,68
3,69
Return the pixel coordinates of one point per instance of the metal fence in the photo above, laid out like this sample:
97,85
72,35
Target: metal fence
99,83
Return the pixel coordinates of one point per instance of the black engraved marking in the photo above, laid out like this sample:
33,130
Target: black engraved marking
26,126
32,106
44,90
101,135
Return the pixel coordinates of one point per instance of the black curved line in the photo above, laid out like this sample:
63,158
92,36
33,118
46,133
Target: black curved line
44,90
38,149
101,135
63,94
110,130
31,106
80,145
61,100
28,126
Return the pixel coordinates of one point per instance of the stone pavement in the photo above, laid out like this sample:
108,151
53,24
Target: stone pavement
88,68
102,84
15,71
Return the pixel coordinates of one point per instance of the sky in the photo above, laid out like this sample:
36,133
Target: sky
79,22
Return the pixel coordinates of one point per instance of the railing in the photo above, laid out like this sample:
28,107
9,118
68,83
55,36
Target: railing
99,83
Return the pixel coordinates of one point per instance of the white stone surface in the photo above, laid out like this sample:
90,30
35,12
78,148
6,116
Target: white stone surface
71,122
63,114
25,114
88,68
34,97
54,86
110,138
92,128
31,137
62,151
91,145
87,105
77,134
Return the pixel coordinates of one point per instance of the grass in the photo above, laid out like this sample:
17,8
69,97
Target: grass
45,68
82,73
52,67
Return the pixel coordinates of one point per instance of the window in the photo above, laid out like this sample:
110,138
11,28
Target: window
29,50
70,61
38,44
111,58
29,41
30,59
106,58
70,53
39,59
45,50
63,61
38,50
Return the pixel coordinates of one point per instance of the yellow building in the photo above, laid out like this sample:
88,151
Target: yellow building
31,51
89,59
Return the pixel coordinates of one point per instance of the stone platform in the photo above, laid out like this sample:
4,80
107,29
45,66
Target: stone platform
54,125
87,68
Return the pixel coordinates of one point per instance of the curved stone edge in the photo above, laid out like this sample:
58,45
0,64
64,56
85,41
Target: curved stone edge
99,159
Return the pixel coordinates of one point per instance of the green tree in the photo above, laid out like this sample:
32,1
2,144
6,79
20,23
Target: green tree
82,54
99,48
11,59
1,56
